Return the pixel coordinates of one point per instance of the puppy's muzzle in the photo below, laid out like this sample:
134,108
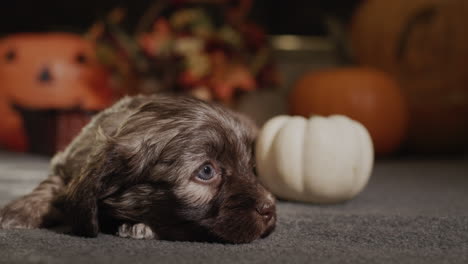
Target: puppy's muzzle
266,210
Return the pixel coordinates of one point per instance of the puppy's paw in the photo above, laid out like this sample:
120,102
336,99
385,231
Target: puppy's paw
17,219
28,213
137,231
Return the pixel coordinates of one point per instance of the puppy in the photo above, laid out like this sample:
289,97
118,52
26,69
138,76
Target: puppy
159,167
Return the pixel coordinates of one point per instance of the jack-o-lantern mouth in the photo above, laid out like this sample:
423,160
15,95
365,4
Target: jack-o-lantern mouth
51,130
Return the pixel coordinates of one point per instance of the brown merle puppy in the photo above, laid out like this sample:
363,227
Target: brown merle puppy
155,167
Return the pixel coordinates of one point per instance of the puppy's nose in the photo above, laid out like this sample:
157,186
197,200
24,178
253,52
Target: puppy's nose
45,75
266,210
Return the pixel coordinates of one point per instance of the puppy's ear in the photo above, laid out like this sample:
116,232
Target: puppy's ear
80,201
115,163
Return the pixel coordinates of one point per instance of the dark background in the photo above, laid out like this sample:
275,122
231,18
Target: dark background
278,16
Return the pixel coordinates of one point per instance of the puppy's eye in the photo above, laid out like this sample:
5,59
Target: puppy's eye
206,172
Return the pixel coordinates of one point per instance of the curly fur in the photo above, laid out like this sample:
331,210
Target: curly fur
134,165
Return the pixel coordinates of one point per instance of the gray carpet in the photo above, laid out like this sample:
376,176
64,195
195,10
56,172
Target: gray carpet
411,212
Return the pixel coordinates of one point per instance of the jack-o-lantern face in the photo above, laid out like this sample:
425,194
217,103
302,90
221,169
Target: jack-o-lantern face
52,71
48,71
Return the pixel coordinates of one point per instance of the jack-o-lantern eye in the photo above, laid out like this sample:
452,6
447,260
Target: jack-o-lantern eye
10,55
81,58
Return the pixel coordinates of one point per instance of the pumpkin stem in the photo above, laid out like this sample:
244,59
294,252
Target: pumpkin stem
423,16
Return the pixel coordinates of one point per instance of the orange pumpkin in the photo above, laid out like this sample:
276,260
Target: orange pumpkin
366,95
47,71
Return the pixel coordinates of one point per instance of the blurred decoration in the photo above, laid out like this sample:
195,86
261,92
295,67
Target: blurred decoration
120,54
424,44
52,83
369,96
317,160
204,48
48,77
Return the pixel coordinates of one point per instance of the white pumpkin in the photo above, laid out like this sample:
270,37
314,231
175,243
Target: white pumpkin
318,160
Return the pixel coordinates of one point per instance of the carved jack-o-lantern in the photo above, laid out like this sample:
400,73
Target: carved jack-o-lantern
424,44
47,72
